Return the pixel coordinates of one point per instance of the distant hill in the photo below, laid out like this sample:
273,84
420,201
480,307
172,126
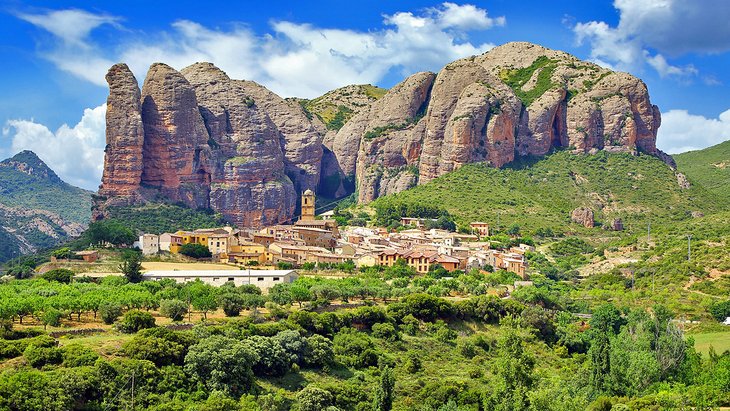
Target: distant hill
542,193
709,167
37,208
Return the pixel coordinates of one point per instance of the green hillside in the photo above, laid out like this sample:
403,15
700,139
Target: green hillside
542,193
37,209
709,167
26,181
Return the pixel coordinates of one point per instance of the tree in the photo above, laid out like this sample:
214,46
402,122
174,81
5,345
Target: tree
312,398
136,320
270,357
513,375
59,275
194,250
52,317
231,302
513,230
109,231
63,253
174,309
300,293
110,312
131,266
383,400
221,363
318,351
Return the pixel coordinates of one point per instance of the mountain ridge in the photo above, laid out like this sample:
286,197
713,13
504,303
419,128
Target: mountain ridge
200,138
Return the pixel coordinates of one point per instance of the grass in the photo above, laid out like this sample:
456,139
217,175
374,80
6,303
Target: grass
719,340
709,167
517,78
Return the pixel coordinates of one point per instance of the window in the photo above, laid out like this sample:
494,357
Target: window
276,278
216,278
261,279
231,278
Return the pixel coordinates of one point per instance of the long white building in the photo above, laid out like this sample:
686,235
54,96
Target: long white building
264,279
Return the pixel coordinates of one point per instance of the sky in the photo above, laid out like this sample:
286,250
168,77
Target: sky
54,57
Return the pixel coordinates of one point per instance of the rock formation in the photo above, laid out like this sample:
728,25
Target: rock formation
583,216
201,138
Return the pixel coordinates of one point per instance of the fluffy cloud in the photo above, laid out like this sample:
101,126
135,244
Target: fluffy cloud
75,153
666,27
293,60
682,131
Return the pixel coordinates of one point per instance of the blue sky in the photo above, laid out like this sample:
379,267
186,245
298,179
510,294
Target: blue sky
55,57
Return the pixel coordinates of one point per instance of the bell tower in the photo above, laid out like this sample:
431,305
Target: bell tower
308,199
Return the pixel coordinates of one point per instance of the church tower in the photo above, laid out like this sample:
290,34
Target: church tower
308,198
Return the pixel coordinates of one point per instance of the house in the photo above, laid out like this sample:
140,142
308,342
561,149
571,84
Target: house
88,256
316,237
388,257
165,240
480,227
247,252
327,258
367,260
295,253
448,262
149,244
264,239
264,279
217,240
420,260
415,222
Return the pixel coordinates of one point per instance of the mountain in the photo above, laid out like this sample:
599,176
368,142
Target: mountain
37,209
542,193
200,138
709,167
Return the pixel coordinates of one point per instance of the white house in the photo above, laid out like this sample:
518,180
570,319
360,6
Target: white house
264,279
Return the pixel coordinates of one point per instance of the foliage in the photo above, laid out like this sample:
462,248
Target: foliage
109,231
165,218
174,309
60,275
384,391
517,78
131,266
708,168
195,250
110,312
134,321
221,363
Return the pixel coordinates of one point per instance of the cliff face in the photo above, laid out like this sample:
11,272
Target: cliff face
201,138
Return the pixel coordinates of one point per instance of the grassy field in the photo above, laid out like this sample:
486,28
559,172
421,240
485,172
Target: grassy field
719,340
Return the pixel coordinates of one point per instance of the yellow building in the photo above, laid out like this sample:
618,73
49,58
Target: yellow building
308,199
217,240
246,252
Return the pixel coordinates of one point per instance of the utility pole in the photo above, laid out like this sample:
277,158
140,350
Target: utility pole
689,247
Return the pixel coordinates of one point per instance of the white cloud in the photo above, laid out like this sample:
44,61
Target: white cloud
650,30
75,153
293,60
682,131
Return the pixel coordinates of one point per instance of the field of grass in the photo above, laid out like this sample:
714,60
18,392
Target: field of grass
709,167
719,340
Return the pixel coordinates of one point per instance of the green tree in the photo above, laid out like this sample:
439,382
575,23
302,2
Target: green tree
110,312
135,320
109,231
514,380
384,391
59,275
312,398
222,363
174,309
52,317
194,250
131,266
231,302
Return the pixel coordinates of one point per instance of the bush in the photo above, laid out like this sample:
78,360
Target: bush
134,321
385,331
173,309
158,350
110,312
39,356
231,302
195,251
271,358
312,398
720,310
59,275
77,355
318,351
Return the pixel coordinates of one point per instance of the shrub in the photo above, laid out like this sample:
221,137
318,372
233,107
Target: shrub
110,312
720,310
385,331
134,321
231,302
59,275
221,363
271,358
39,356
195,251
312,398
158,350
77,355
318,351
173,309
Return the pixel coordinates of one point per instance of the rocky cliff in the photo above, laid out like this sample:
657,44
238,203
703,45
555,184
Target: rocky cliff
198,137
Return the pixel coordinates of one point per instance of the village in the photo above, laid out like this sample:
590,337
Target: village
317,241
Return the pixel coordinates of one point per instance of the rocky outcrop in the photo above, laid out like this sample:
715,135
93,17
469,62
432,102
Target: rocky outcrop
583,216
201,138
176,152
683,182
123,162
